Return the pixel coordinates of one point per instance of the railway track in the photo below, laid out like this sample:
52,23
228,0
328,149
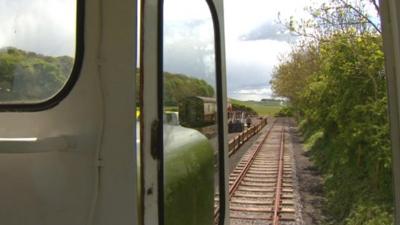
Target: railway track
261,186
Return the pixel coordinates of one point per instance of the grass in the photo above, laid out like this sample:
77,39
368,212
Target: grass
268,108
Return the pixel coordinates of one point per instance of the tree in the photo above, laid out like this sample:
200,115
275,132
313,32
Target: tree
178,87
337,16
290,77
30,77
341,100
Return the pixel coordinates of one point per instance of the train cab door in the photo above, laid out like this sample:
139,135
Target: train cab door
67,112
183,164
390,11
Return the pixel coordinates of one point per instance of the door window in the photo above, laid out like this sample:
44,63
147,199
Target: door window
191,134
37,49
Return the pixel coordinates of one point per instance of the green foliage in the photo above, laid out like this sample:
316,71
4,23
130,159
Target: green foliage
287,111
30,77
343,105
290,77
178,87
313,139
367,213
239,107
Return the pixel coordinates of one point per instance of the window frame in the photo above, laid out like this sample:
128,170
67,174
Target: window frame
220,113
73,78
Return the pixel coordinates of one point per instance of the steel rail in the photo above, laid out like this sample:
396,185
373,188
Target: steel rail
242,173
235,185
278,188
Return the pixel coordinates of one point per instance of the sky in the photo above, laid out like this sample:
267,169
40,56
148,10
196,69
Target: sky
42,26
254,42
189,40
254,39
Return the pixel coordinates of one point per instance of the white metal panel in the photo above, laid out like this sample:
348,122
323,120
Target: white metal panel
79,166
56,186
116,202
149,115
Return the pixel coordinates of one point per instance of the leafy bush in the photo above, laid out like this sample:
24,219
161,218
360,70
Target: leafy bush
343,110
313,139
285,112
239,107
370,214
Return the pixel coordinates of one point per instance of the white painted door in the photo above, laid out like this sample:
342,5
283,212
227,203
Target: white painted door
67,154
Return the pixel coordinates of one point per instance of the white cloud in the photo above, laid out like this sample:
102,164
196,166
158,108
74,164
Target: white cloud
243,16
250,62
252,94
189,39
48,27
43,26
178,10
255,91
260,52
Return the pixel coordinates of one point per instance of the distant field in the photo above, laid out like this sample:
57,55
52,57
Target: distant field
265,108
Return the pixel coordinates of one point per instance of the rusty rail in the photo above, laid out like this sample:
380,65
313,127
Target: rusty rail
238,141
278,188
233,187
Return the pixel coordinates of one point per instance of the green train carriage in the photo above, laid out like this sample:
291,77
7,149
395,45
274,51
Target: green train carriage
197,111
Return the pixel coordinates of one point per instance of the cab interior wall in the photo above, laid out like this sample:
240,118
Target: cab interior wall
117,191
59,186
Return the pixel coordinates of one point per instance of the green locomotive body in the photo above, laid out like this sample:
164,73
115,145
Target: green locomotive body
189,177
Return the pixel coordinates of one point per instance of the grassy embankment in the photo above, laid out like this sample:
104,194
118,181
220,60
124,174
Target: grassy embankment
264,108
